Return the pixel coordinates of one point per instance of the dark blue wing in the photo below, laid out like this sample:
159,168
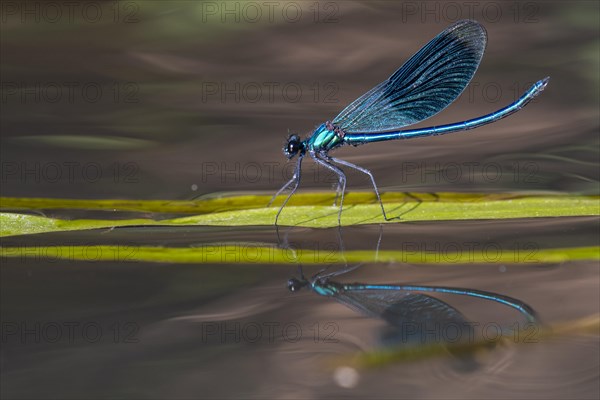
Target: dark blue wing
426,84
411,317
398,307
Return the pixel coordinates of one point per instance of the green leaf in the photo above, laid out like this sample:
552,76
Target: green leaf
233,202
308,210
251,253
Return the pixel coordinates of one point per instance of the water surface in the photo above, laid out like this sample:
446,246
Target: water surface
198,103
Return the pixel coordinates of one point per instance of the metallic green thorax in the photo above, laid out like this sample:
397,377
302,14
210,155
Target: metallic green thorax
326,287
323,139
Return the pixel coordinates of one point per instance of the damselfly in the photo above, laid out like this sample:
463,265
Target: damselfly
426,84
409,300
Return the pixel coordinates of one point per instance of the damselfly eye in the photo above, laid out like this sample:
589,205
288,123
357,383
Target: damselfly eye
293,146
294,285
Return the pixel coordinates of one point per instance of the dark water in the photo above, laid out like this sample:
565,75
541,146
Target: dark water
171,100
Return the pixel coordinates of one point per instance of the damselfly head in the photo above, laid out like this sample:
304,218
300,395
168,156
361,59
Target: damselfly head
296,284
293,146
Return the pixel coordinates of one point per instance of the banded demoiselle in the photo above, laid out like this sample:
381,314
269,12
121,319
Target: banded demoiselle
426,84
407,300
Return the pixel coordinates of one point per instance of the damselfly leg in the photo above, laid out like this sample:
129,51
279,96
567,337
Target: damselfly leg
370,175
341,178
295,180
